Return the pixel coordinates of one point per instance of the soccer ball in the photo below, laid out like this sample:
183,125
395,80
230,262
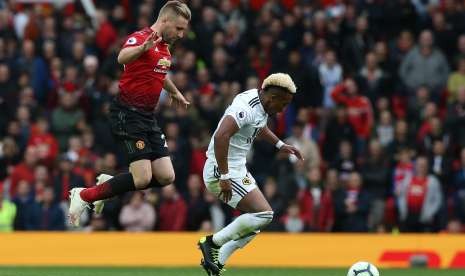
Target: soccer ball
363,269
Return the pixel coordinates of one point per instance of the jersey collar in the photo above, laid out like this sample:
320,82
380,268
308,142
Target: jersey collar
260,106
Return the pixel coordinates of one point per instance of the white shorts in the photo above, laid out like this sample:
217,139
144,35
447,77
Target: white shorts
242,182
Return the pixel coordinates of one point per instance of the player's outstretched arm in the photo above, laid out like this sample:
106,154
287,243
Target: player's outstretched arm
271,138
175,95
129,54
222,136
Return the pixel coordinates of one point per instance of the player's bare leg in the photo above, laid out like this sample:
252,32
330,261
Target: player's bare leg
141,171
162,171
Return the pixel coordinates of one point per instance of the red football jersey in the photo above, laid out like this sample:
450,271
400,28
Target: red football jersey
142,80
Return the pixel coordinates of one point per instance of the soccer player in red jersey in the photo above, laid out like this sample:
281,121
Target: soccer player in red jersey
146,60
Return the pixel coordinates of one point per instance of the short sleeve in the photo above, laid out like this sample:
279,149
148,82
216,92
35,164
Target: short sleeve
242,115
134,39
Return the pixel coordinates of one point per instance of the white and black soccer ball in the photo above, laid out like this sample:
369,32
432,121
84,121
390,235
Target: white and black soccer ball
363,269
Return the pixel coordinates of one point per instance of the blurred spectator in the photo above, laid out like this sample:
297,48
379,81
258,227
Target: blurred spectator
137,215
455,227
292,221
48,213
372,79
9,156
417,107
351,206
330,76
197,208
456,81
403,169
306,78
338,129
459,189
402,138
425,65
307,147
217,215
359,110
35,67
309,198
172,211
375,174
106,34
455,119
25,204
8,95
44,141
430,131
440,163
385,129
326,211
24,170
419,199
7,213
277,203
65,119
65,179
23,117
345,162
97,223
356,45
443,33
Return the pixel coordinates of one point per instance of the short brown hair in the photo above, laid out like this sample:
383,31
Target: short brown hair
177,8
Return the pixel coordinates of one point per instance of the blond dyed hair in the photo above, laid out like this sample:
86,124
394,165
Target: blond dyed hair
281,80
177,8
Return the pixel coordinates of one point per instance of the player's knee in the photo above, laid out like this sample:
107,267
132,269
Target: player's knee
142,180
166,179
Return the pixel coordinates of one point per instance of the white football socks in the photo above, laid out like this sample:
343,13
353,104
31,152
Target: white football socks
241,226
228,248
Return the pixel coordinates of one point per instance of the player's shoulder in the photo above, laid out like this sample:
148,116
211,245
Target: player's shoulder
142,32
248,98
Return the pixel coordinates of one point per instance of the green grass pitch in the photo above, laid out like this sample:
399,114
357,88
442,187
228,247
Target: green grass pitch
113,271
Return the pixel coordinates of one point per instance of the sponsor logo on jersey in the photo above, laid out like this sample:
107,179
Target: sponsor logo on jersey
140,144
164,63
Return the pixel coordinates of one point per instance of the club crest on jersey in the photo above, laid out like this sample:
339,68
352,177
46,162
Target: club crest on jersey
246,181
140,144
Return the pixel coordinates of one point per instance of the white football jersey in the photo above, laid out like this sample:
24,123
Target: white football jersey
248,112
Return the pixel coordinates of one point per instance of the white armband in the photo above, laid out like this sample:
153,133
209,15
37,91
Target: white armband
279,144
225,176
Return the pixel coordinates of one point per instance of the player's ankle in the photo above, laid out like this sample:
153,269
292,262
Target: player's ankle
212,242
84,196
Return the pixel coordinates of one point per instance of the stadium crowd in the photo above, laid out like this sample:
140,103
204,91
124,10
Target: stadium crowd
379,114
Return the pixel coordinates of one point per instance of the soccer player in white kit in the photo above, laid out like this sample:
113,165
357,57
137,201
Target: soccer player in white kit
225,173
